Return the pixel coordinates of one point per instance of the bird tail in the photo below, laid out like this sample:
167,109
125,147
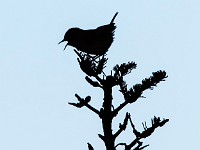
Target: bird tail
114,17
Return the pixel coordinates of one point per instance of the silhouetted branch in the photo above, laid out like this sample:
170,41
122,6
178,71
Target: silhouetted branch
121,144
116,111
156,122
139,146
99,79
124,69
84,102
137,133
134,93
90,147
101,64
93,83
122,127
109,81
90,65
87,66
101,137
121,71
130,146
123,86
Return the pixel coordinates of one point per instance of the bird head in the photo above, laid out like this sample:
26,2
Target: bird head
70,36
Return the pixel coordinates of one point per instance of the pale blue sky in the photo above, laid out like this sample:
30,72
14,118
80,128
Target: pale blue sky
37,77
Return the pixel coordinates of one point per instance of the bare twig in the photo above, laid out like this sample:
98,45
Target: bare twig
122,127
90,147
93,83
84,102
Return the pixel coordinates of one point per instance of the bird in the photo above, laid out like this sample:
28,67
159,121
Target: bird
92,41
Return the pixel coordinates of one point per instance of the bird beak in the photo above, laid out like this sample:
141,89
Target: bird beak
65,46
61,41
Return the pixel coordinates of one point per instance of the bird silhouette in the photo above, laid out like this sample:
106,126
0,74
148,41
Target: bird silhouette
93,41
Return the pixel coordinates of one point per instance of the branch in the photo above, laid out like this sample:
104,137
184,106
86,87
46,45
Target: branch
156,122
122,144
90,147
139,146
101,137
148,83
84,102
92,66
122,105
137,133
93,83
121,71
122,127
124,69
129,148
101,64
134,93
99,79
